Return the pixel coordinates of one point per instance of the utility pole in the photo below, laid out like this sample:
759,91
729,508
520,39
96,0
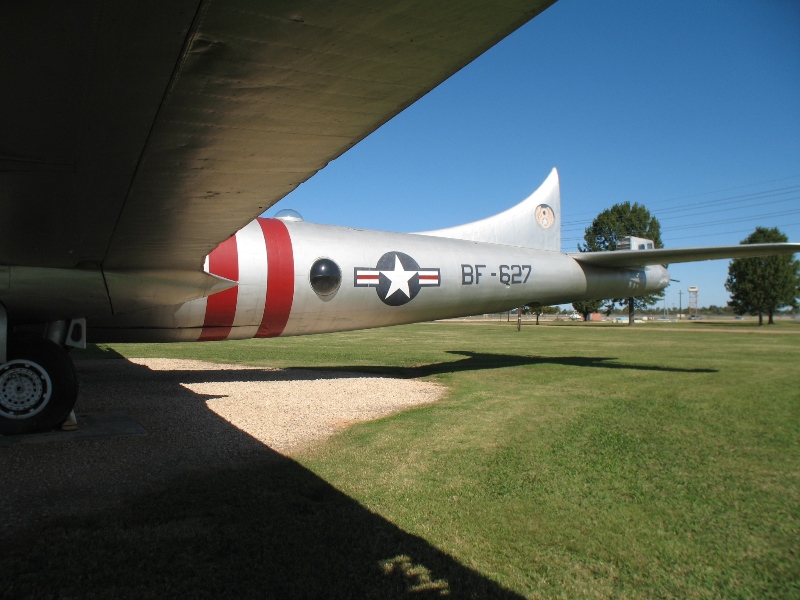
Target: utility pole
680,297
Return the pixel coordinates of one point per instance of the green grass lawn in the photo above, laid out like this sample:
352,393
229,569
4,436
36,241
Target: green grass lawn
581,461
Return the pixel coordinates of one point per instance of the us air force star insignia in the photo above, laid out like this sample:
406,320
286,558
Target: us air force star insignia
397,278
545,215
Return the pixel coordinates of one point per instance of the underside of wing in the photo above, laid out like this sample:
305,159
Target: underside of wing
641,258
139,135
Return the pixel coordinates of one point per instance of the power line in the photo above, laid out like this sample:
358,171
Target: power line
724,233
708,224
697,236
691,214
690,211
738,187
737,219
742,198
657,203
739,199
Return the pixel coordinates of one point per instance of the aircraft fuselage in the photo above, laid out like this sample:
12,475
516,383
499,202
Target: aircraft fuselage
386,279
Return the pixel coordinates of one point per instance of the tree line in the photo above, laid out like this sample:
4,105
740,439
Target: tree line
758,286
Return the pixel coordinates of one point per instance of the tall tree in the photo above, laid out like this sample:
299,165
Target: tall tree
587,307
622,220
766,283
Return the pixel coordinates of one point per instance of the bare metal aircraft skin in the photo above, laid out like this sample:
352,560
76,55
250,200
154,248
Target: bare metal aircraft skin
284,277
298,278
114,189
377,278
386,279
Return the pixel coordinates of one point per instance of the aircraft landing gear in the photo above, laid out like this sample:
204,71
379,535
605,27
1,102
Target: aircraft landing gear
38,385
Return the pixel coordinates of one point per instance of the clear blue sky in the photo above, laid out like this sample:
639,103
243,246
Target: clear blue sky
691,108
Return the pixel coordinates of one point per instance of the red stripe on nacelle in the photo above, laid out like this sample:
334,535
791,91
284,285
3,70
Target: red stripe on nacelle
280,278
221,307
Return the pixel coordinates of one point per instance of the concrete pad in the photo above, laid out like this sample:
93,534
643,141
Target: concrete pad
91,426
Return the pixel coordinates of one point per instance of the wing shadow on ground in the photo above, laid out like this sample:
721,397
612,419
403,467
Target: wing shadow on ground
479,361
197,508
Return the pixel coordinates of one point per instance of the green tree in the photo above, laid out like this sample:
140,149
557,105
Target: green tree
765,283
587,307
622,220
539,310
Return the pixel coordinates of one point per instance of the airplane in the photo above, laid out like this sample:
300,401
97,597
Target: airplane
141,140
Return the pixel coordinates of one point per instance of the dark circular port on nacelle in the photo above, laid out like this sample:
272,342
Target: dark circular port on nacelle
325,277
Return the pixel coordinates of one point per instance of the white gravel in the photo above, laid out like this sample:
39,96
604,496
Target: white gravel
196,415
289,409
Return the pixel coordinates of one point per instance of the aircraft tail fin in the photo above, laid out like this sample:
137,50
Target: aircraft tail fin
533,223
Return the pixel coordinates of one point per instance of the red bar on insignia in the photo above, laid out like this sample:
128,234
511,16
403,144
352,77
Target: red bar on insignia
280,278
221,307
429,277
367,277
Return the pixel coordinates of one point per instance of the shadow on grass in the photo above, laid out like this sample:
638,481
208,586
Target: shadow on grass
95,352
200,509
478,361
269,530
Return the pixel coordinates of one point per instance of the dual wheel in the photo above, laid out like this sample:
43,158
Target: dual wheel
38,386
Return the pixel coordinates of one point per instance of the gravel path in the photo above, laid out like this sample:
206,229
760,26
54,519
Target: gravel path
196,414
289,409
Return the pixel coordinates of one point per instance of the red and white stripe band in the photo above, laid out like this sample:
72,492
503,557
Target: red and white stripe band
261,253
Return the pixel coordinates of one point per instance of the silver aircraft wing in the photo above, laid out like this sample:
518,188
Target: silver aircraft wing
640,258
139,135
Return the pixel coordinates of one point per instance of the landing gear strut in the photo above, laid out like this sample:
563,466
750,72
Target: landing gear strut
38,385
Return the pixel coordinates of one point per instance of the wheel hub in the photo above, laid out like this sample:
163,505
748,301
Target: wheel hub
25,389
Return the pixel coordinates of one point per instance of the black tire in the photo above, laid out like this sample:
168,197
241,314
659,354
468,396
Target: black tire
38,386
